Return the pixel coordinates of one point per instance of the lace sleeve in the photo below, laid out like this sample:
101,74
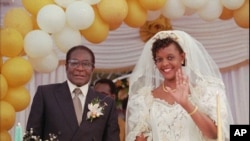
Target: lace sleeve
206,100
138,115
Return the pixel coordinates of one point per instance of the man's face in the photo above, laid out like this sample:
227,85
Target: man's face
79,67
104,88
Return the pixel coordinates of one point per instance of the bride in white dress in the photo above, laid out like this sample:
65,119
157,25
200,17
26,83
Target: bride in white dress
173,92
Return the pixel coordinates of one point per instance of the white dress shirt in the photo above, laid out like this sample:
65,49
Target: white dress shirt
84,90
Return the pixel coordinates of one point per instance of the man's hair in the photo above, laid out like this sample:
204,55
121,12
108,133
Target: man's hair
80,47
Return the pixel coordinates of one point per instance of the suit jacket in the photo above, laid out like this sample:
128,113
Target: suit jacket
52,111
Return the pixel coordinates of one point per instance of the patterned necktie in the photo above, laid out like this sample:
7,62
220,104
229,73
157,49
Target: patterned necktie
78,105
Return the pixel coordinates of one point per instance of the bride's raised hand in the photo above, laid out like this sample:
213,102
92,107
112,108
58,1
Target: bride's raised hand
182,88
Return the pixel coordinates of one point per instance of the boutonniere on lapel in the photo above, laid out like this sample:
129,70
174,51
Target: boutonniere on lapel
95,109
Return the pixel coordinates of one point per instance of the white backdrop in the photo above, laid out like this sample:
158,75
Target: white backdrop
226,42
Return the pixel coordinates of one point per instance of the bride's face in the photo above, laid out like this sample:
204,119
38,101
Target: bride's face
168,60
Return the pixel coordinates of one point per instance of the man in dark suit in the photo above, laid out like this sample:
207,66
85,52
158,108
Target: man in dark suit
53,112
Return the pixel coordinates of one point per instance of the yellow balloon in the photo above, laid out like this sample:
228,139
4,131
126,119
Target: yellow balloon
241,15
1,61
34,21
152,4
137,15
22,53
226,14
19,19
114,26
113,11
17,71
7,115
33,6
11,42
98,31
4,86
18,97
5,135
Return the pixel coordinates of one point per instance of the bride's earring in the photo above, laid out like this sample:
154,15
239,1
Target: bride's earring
183,63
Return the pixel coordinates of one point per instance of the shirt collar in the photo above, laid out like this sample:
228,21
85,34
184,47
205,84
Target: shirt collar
83,88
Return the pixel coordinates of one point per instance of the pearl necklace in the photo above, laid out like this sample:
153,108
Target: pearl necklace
164,89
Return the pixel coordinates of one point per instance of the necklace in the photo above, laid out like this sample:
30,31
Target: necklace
164,89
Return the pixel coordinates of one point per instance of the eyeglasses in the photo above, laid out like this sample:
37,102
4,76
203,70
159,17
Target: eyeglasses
77,63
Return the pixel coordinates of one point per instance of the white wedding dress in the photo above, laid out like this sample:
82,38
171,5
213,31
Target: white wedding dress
160,121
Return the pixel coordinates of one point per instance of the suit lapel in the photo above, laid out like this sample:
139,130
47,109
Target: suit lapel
90,96
64,99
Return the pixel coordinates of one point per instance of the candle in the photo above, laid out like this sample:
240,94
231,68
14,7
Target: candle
18,133
218,119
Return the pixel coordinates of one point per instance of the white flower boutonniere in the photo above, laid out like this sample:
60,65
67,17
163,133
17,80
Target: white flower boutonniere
95,109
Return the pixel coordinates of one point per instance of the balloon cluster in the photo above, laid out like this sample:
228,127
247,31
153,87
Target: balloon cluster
33,30
210,10
14,96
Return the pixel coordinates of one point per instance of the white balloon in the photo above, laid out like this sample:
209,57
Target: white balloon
232,4
194,4
153,15
173,9
38,43
63,3
67,38
91,2
45,64
211,11
51,18
80,15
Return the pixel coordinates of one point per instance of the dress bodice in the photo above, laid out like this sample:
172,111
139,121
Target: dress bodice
159,120
171,122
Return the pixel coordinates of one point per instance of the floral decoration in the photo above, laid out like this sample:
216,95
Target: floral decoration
122,86
95,109
29,136
150,28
